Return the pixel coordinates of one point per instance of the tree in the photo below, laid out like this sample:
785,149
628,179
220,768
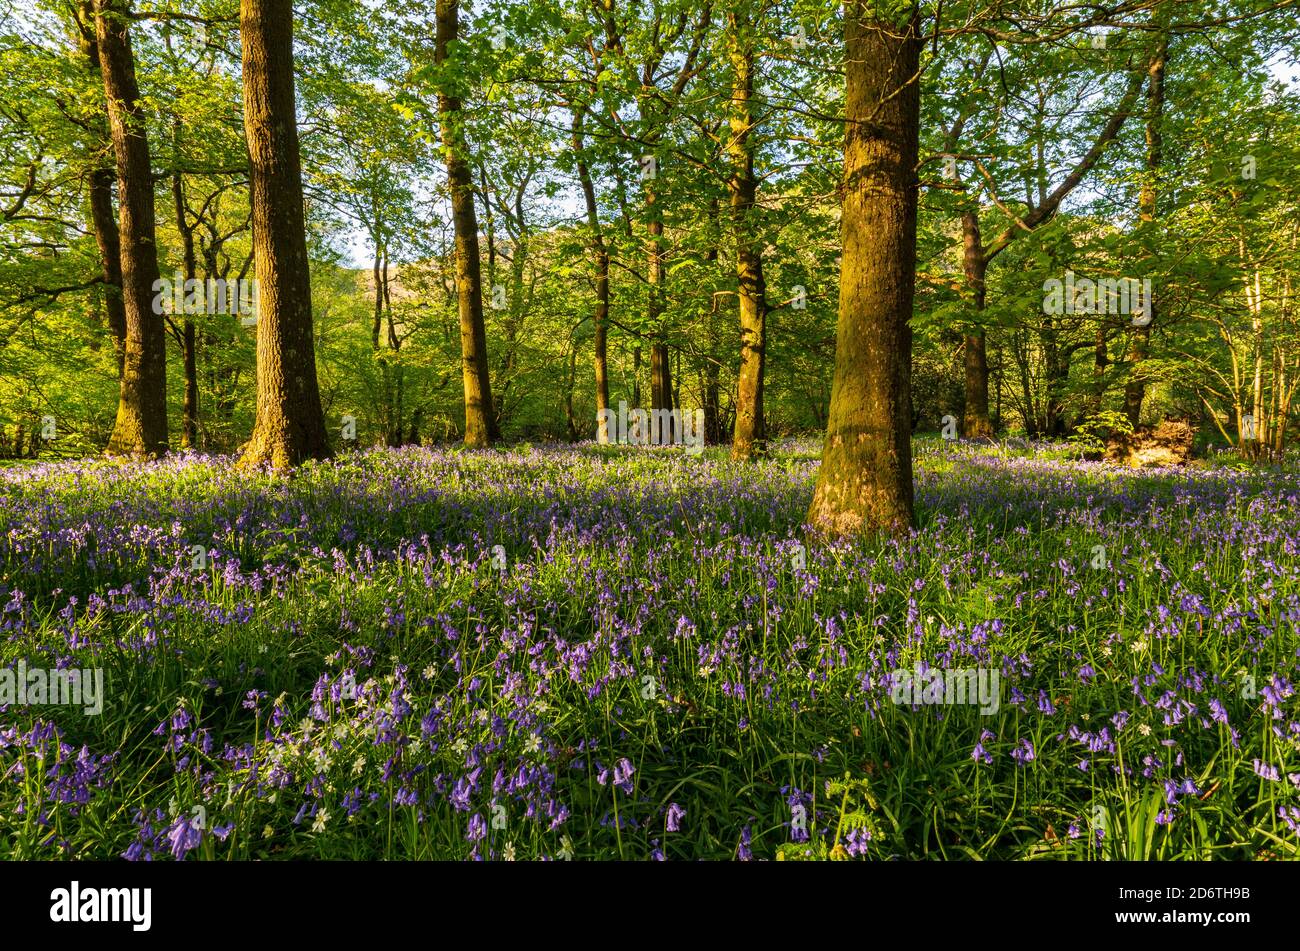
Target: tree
600,261
141,425
480,420
749,438
103,219
290,427
1135,388
865,481
977,256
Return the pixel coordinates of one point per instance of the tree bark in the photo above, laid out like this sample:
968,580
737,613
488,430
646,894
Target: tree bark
480,418
1135,388
661,384
290,426
600,260
103,218
975,417
190,413
865,481
141,425
750,437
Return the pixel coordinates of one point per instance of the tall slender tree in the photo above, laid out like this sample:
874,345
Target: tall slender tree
600,260
480,418
1135,388
141,425
290,427
749,438
103,217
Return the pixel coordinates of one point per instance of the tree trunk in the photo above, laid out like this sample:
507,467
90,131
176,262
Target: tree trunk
661,385
190,414
750,438
290,426
600,260
1135,388
1100,360
103,219
712,402
104,223
636,377
141,425
975,418
865,481
480,418
1056,368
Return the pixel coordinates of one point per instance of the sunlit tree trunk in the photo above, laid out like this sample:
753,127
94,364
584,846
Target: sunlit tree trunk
290,427
141,425
749,438
480,417
865,480
600,262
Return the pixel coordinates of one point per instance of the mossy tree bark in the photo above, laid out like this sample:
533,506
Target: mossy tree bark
865,481
141,425
290,426
749,438
480,417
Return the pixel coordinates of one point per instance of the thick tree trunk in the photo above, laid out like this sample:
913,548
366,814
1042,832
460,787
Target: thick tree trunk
141,425
290,426
865,481
750,438
480,417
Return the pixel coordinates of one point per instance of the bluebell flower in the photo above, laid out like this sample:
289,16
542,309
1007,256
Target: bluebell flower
675,815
